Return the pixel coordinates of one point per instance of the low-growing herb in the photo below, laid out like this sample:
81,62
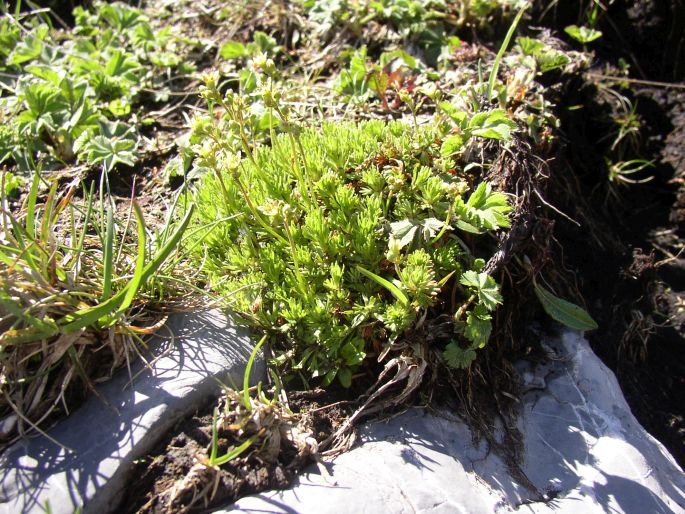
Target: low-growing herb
64,86
349,234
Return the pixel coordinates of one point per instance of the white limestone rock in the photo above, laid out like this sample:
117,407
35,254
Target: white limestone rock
105,439
584,453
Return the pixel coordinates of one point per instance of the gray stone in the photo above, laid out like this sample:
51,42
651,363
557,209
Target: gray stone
584,453
206,349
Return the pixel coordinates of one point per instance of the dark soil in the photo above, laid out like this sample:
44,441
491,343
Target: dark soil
177,460
647,34
627,255
172,477
636,281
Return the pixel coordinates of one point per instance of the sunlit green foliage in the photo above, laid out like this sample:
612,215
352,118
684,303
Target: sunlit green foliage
347,234
69,95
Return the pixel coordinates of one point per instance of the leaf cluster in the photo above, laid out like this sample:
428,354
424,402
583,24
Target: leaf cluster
427,24
362,77
339,238
70,94
546,57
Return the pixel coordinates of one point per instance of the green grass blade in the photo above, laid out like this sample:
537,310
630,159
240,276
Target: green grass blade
168,247
215,437
18,232
5,252
137,279
46,228
26,335
170,214
101,204
24,242
235,452
396,291
91,315
246,376
38,327
208,227
84,228
72,226
503,48
46,222
122,243
278,386
444,279
31,207
107,257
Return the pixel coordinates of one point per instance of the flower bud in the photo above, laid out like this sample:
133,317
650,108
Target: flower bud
394,254
405,96
271,95
210,79
261,62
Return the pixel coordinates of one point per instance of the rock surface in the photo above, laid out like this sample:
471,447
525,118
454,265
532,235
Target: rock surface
584,453
106,438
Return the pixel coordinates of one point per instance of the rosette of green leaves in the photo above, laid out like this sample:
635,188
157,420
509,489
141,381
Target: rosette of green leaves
63,85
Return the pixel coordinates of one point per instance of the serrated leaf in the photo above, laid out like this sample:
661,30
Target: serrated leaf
109,152
484,209
529,45
265,43
546,57
387,57
405,231
233,50
174,168
119,107
468,227
115,144
583,34
451,145
564,312
30,48
12,183
478,119
121,64
458,357
492,125
485,287
430,227
45,72
455,114
478,328
379,81
478,197
551,60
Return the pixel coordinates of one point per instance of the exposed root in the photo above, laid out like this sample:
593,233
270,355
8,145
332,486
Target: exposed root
408,368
